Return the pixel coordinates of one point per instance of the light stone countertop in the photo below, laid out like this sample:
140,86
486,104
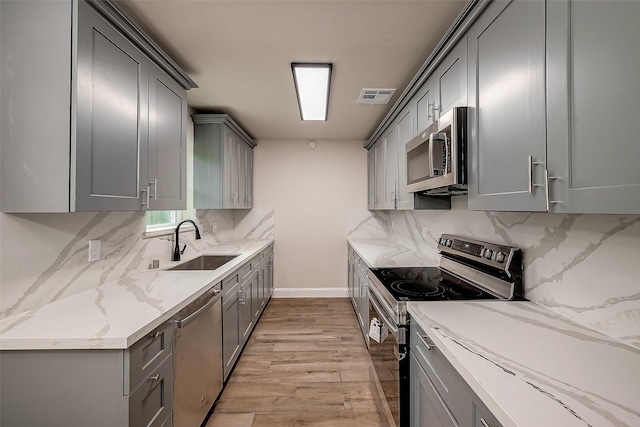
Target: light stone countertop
382,253
530,366
117,314
533,367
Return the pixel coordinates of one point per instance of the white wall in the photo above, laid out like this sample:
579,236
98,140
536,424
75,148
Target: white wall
312,192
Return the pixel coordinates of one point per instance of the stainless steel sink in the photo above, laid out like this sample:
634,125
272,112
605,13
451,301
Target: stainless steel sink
205,262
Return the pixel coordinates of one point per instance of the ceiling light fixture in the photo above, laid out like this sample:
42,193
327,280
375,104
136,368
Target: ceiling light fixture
312,81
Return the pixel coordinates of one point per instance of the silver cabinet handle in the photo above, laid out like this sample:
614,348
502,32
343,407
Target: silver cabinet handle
548,179
431,111
424,338
153,378
531,163
484,423
146,197
155,335
155,188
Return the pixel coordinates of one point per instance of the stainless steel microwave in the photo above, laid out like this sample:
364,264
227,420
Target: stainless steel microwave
437,157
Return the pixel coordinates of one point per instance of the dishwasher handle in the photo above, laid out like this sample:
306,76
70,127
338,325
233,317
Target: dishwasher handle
181,323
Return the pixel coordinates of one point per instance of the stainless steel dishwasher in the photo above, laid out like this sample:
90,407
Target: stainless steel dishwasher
197,358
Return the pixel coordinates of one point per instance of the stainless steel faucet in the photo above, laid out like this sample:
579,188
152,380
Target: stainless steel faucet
176,251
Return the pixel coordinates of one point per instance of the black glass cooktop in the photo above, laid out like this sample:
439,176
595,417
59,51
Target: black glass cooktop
427,284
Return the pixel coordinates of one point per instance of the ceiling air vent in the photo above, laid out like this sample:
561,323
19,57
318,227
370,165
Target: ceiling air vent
375,96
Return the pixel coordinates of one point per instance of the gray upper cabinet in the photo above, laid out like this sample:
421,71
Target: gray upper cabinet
383,176
223,163
379,172
114,125
167,154
390,168
111,119
506,91
593,61
445,88
451,79
371,179
405,132
425,102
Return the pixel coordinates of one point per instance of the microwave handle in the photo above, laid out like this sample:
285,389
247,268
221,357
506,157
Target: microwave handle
431,155
445,152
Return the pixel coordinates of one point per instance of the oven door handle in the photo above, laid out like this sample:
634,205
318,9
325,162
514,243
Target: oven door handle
376,305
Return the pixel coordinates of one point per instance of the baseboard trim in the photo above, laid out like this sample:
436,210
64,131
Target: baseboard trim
310,293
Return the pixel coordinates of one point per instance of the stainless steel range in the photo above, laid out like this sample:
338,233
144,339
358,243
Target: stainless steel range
469,270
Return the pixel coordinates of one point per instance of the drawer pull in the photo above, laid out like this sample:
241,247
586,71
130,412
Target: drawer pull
155,335
429,345
484,423
154,378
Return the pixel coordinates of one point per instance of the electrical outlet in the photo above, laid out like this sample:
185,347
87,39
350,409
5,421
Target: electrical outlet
425,230
94,250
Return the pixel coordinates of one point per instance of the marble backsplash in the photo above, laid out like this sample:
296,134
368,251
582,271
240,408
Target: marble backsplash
585,267
44,257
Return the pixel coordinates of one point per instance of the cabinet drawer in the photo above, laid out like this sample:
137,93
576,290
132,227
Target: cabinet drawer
229,288
444,377
151,403
145,355
245,271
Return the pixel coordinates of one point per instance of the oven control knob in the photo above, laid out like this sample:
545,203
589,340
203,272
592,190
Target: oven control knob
448,243
488,253
442,240
500,256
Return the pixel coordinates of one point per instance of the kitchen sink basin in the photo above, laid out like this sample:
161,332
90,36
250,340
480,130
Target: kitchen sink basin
204,262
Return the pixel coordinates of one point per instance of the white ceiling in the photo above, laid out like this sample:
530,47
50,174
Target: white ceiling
240,53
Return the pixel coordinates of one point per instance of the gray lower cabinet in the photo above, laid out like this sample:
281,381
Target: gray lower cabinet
592,119
223,163
439,396
358,288
506,93
245,295
99,155
230,324
132,387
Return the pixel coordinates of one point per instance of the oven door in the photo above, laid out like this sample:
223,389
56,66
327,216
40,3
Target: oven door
390,366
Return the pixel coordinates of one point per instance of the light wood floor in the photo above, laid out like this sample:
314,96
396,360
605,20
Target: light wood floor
306,364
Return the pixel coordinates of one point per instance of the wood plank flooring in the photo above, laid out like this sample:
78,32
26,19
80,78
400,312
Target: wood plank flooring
306,364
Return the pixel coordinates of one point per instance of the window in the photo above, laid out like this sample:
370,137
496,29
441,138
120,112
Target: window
162,219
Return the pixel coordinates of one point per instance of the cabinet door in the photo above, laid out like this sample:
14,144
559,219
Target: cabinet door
593,91
111,119
426,406
246,301
405,132
425,101
390,168
249,178
167,156
230,332
241,201
371,179
378,149
269,277
507,152
230,169
451,77
363,304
